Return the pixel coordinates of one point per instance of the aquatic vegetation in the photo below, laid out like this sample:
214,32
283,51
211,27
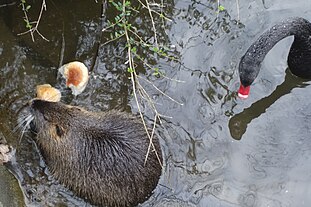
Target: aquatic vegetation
136,44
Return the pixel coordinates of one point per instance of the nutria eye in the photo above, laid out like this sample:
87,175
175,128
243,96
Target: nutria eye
59,131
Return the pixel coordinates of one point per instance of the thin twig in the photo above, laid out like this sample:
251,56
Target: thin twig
112,25
238,9
147,96
111,40
161,74
160,14
131,64
143,94
35,28
9,4
218,5
160,90
153,24
152,133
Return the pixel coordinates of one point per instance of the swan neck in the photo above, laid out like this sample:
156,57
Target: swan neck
250,63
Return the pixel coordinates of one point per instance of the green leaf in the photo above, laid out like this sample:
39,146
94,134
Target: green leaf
156,72
130,70
114,4
134,49
155,49
221,8
28,25
28,7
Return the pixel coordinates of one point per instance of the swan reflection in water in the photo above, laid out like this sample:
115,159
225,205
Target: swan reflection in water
238,123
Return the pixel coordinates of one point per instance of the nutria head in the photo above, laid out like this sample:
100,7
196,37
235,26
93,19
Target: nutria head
99,156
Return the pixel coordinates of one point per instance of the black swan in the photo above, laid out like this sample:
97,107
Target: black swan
299,57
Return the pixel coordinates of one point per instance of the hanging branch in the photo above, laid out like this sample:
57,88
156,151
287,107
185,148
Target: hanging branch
29,25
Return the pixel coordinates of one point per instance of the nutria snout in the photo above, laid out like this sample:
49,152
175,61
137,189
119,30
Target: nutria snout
99,156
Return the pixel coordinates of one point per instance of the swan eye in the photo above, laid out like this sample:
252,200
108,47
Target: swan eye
59,130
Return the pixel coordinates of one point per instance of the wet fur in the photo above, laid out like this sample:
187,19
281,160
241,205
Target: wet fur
99,156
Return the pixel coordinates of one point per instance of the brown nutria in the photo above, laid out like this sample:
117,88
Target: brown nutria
99,156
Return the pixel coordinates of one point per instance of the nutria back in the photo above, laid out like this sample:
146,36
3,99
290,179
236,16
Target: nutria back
99,156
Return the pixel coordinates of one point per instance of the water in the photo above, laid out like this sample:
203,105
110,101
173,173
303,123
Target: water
219,150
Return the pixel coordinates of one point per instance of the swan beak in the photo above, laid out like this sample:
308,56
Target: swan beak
244,91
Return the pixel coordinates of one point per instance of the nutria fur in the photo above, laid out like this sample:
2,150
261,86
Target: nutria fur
99,156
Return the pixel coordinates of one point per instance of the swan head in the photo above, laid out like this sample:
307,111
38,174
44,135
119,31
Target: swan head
248,71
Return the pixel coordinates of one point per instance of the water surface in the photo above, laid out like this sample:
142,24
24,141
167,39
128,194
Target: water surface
219,150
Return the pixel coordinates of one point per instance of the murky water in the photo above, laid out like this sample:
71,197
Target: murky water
219,150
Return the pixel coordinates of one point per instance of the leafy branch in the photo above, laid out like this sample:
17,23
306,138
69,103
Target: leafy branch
32,27
135,43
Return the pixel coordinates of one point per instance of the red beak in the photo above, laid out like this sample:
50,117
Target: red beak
243,91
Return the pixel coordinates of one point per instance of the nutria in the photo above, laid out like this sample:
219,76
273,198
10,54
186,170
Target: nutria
99,156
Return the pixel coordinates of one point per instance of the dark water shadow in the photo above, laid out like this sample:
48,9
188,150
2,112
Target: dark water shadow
238,123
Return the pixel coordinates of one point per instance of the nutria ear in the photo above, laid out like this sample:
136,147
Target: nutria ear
59,130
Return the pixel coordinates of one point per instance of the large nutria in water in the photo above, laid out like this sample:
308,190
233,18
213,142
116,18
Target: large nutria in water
99,156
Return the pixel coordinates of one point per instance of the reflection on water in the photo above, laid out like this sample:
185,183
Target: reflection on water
238,123
204,165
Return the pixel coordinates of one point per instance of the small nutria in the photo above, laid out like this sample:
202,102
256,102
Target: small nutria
99,156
